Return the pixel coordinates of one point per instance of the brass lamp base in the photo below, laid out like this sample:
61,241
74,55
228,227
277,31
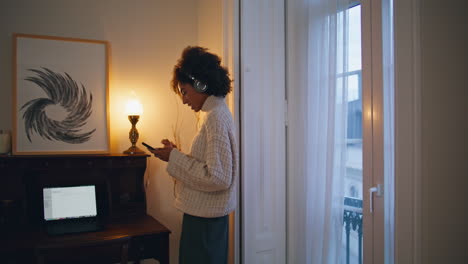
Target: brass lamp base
134,150
133,136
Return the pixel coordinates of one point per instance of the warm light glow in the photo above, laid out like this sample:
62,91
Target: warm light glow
134,107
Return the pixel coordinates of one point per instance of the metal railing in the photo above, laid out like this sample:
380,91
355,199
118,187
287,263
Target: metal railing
352,220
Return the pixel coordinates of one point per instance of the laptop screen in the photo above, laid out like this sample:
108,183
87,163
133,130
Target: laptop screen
69,202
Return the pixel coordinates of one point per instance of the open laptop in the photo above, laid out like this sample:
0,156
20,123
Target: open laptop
70,209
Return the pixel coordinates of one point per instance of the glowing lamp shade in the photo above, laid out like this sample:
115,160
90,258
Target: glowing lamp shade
133,109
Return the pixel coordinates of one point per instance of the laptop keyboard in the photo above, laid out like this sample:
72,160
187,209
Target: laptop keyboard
72,226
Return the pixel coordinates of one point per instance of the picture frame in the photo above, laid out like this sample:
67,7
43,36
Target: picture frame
60,95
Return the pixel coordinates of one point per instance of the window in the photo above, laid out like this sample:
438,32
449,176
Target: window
351,67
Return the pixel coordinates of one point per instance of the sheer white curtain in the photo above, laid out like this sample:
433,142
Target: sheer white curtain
316,129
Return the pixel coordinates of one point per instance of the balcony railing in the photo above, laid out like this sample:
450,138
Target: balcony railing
352,221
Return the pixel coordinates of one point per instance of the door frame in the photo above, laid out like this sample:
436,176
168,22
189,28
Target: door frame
231,59
407,130
373,130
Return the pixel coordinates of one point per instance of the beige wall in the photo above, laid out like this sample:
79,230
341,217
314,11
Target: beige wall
444,98
210,26
146,38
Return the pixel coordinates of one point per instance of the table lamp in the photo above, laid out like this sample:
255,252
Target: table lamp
133,109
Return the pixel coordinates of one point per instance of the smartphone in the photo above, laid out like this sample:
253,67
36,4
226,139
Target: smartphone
148,146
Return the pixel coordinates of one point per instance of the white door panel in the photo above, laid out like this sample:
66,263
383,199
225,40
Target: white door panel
263,132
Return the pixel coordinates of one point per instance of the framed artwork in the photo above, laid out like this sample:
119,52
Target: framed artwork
60,95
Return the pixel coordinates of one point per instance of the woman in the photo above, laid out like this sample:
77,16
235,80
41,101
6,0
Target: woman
205,178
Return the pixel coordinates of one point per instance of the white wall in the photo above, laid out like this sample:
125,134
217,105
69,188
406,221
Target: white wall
444,102
146,38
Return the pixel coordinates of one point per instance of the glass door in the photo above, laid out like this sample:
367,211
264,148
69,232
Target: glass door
367,221
352,235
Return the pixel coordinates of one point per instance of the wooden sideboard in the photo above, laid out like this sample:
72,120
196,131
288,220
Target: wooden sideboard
121,204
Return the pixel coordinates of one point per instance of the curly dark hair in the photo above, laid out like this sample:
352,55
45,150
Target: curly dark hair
203,66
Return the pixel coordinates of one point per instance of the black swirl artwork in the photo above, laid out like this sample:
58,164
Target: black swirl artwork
61,90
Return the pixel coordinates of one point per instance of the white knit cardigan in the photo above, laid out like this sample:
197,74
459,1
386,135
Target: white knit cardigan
206,178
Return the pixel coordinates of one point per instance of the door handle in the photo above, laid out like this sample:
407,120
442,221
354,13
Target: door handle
378,190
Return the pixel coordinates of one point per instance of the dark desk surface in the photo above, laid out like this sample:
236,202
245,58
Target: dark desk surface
121,196
136,228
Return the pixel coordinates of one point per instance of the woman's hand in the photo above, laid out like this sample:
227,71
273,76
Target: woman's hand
164,152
